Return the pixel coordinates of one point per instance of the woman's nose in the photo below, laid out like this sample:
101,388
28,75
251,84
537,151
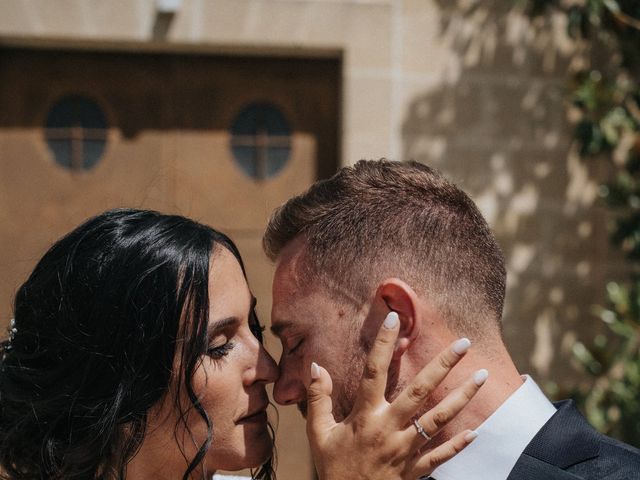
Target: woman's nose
266,370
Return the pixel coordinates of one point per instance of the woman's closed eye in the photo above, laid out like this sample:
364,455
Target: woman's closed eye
220,348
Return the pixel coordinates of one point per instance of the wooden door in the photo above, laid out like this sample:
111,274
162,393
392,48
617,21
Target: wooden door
174,133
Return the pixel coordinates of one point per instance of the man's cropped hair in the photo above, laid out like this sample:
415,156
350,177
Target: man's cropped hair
381,219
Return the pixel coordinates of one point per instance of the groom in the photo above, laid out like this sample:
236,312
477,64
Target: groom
383,236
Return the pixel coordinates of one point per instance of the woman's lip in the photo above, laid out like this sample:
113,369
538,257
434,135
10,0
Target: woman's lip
259,417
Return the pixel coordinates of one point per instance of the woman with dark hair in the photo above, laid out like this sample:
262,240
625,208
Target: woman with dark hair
136,353
99,327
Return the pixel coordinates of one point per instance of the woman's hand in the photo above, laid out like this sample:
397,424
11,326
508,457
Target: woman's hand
380,440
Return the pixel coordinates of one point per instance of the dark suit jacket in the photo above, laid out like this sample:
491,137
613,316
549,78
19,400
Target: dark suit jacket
568,448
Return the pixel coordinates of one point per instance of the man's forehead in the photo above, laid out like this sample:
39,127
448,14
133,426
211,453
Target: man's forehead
289,290
296,275
291,264
300,300
291,279
301,296
294,305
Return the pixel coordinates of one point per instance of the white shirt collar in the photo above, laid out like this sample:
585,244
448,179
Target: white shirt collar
502,437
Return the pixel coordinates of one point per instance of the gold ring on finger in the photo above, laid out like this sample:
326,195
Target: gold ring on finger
421,430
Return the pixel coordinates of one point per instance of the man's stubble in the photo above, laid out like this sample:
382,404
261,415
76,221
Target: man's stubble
346,376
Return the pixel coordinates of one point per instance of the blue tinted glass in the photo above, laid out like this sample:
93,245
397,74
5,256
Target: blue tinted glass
277,159
93,150
260,117
62,151
246,158
266,121
75,111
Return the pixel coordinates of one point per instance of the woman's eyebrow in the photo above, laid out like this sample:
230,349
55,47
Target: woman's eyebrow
222,324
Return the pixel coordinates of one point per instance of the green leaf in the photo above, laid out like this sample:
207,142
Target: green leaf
612,5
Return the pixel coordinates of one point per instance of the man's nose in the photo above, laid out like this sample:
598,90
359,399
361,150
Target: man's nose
289,389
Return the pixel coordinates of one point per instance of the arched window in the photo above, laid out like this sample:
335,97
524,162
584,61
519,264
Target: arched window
76,132
261,140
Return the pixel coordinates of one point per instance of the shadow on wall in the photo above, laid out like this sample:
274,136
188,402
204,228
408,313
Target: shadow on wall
497,125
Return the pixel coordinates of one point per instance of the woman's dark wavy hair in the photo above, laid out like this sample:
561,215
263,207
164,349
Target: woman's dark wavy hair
98,323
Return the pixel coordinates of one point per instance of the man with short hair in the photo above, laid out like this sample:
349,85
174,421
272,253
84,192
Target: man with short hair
386,236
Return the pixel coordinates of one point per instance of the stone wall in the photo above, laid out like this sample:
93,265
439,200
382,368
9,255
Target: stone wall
472,88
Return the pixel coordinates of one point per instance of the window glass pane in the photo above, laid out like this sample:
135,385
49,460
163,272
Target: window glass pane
261,139
62,151
278,157
74,110
246,158
92,150
76,126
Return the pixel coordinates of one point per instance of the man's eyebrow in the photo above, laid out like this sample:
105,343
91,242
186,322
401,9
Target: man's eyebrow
279,328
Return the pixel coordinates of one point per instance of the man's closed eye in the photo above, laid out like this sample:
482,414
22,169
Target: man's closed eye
296,347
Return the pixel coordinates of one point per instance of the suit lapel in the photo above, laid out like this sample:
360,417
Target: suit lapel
530,468
565,440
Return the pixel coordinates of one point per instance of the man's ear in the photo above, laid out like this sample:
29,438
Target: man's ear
399,297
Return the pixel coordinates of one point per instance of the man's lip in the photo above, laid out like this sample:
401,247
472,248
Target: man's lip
253,415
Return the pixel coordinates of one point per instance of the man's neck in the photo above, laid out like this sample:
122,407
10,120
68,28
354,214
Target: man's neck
504,379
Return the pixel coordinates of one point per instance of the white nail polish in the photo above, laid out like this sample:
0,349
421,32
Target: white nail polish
461,346
480,376
315,371
471,436
391,321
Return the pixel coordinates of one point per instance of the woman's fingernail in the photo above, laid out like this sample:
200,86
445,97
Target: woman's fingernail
391,321
471,436
461,346
315,371
480,376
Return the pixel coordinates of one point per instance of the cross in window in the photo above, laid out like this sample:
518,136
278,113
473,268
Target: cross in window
260,144
76,135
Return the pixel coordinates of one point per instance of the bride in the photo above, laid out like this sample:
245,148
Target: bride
136,353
